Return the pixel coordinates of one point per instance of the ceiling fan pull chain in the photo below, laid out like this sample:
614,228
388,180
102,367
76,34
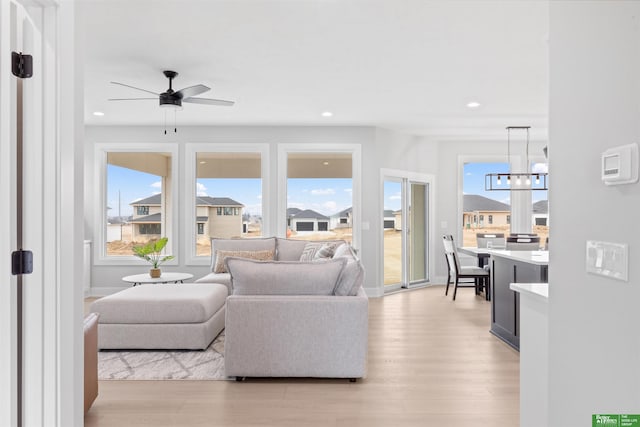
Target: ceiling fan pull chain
165,122
175,128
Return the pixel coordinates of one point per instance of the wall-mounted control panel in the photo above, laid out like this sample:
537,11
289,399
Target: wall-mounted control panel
608,259
620,165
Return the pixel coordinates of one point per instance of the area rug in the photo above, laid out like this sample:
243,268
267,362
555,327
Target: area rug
164,365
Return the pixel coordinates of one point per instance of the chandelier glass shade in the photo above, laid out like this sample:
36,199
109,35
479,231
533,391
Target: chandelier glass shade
516,181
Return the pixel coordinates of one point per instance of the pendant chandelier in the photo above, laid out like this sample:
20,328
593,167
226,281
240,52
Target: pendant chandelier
516,181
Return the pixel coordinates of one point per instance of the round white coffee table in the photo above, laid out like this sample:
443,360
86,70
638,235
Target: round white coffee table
139,279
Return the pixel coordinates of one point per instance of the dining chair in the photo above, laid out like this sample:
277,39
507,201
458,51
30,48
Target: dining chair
456,272
523,243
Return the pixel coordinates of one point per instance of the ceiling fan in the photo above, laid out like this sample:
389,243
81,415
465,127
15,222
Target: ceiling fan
174,99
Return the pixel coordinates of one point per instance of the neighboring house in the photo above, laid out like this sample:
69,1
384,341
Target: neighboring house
480,211
342,219
147,218
219,217
540,214
215,217
308,220
389,221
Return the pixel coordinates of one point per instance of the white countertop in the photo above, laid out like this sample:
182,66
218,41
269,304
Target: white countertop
531,257
537,289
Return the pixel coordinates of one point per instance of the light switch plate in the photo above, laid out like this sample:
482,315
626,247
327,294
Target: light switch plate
608,259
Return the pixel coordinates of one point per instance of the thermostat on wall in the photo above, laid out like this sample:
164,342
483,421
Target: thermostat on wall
620,165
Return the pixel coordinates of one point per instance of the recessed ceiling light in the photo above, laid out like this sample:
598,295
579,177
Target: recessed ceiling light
202,162
325,163
327,114
98,113
473,104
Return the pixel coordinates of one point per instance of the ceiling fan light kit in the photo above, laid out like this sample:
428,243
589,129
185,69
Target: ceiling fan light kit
171,99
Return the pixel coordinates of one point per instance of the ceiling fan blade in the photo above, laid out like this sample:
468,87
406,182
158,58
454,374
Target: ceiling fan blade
136,88
131,99
190,91
209,101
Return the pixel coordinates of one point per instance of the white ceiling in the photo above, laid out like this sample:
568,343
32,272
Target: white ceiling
406,65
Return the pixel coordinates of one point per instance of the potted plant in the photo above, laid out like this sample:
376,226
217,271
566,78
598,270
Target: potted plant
150,252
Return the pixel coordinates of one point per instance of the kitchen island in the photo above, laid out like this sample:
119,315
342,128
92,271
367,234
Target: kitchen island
512,267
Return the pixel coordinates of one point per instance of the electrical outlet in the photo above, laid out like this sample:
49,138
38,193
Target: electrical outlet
608,259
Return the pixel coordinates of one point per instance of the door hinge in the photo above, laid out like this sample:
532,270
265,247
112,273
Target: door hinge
21,262
21,65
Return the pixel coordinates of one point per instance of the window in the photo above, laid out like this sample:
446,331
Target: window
137,203
228,194
150,229
508,219
319,187
475,199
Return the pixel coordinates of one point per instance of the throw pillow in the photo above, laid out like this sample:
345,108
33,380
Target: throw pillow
221,255
318,250
249,277
352,276
252,244
325,251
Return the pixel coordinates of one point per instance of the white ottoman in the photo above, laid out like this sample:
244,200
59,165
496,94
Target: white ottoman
167,316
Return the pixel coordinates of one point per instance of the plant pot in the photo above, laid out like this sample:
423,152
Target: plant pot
155,273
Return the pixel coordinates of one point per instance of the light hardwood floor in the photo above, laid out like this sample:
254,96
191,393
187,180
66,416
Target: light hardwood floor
432,362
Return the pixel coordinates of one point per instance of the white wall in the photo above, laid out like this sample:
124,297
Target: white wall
380,149
593,321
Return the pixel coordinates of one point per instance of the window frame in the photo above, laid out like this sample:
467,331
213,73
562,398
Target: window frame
100,200
284,149
475,158
189,225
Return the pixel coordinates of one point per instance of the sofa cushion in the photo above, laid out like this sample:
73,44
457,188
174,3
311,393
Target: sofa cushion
258,244
352,276
221,255
249,277
289,249
222,278
167,303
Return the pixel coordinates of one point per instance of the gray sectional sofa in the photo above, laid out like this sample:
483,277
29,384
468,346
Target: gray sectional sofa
297,310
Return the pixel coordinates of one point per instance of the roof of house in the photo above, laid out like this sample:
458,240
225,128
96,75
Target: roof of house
309,214
389,213
475,202
293,211
156,199
342,213
216,201
154,218
541,207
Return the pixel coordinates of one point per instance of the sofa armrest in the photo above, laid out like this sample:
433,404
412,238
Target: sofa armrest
296,336
90,360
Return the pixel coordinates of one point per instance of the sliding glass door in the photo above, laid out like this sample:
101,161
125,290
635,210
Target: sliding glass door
405,232
417,232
